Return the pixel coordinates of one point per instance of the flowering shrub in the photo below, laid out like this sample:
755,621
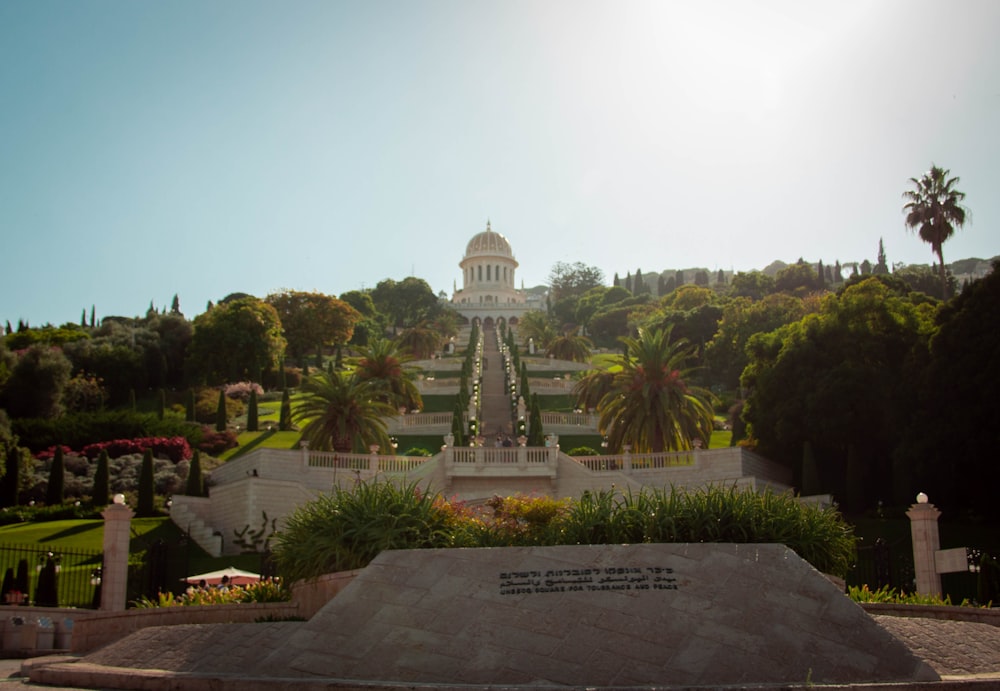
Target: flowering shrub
261,591
214,443
241,390
174,448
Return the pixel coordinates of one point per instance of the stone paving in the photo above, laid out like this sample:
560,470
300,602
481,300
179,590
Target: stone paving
952,648
965,654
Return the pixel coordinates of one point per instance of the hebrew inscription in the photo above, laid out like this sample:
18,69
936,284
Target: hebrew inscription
624,577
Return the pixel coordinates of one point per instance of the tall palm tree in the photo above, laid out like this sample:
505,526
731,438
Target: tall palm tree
383,361
341,412
650,405
934,210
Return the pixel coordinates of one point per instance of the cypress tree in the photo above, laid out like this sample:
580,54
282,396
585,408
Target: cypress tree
457,425
810,471
283,375
195,482
21,580
220,412
536,435
57,479
10,483
101,494
252,422
161,404
131,399
145,503
285,416
93,321
338,360
189,406
46,592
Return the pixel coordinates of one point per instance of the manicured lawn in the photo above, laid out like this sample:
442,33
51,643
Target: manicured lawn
80,534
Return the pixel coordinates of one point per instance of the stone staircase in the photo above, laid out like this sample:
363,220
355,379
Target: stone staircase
184,513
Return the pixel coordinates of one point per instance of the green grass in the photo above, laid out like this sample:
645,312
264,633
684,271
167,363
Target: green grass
76,534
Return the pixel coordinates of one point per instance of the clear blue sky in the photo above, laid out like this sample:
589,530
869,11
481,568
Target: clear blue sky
200,148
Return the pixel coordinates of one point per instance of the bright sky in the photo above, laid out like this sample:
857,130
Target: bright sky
201,148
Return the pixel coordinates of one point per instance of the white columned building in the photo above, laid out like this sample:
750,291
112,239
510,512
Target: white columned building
488,293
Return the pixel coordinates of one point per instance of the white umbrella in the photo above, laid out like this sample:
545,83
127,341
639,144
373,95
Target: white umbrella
236,577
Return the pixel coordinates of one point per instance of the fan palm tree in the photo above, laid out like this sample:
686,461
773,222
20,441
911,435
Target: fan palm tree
570,346
650,405
934,210
382,361
342,412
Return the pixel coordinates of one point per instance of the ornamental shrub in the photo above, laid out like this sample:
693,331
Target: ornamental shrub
241,390
349,528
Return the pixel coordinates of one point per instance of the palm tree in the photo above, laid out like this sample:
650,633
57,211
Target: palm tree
570,346
343,412
934,210
382,361
592,388
421,341
650,405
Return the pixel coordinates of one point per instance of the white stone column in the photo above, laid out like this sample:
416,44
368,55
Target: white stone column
926,542
114,575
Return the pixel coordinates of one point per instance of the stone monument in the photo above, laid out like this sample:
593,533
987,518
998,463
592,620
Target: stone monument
605,615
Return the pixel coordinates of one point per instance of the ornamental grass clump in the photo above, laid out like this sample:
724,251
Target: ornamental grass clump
713,514
347,529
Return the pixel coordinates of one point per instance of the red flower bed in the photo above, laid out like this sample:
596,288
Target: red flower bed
174,448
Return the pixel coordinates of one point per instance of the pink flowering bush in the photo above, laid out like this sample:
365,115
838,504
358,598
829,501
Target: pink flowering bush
241,390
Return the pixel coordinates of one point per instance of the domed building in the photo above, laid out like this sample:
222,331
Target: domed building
488,293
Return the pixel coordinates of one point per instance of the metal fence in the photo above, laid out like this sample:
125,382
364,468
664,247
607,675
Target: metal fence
50,576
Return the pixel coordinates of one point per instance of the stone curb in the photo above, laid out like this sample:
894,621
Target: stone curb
62,672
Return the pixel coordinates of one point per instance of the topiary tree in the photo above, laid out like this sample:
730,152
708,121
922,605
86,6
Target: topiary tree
101,495
253,424
54,495
145,506
195,482
220,412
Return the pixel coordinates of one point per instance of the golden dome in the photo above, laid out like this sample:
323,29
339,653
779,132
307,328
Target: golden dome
488,243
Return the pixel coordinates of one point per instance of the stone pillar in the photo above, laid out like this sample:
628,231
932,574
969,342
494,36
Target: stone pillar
114,574
926,542
304,445
627,458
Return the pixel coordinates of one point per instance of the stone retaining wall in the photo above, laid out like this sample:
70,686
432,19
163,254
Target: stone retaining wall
102,628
